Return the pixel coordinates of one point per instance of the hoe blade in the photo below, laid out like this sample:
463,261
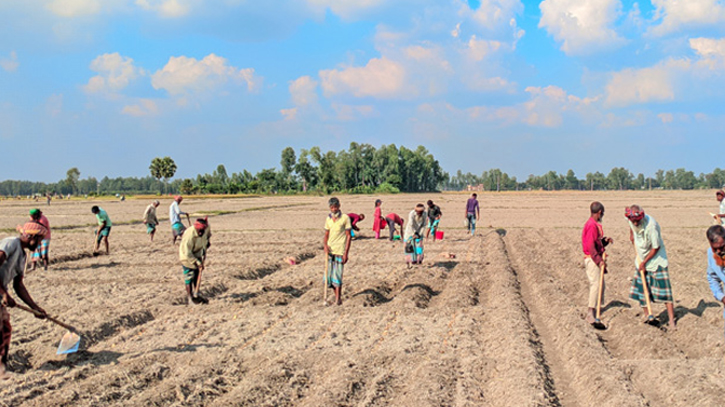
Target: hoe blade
69,343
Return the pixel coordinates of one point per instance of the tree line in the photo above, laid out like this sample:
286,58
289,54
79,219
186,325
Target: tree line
361,168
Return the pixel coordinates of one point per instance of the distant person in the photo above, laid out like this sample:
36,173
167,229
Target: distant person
12,269
434,218
593,244
48,198
378,221
716,261
41,253
645,234
192,252
337,246
104,228
177,228
417,222
473,213
720,217
150,219
392,219
123,198
354,219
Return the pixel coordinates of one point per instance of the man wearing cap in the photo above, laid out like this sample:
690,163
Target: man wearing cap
177,228
12,269
378,221
720,217
41,253
645,235
393,219
417,221
434,218
337,246
150,219
192,251
716,261
104,228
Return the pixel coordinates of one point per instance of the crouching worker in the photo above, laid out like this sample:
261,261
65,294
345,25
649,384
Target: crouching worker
337,246
716,261
12,269
191,253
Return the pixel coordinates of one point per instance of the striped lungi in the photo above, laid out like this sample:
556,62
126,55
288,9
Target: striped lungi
658,283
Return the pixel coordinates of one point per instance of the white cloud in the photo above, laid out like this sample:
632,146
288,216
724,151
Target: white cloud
183,75
289,114
456,31
711,51
74,8
640,86
166,8
381,78
583,26
11,63
492,14
678,14
479,49
351,112
303,91
144,107
347,9
115,72
666,117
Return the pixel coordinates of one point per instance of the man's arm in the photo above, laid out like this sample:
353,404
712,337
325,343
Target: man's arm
4,294
324,241
652,253
348,241
22,292
478,211
714,280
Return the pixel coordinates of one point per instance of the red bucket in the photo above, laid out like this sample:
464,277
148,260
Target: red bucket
439,235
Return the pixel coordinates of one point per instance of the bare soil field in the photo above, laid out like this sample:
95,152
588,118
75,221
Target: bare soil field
501,324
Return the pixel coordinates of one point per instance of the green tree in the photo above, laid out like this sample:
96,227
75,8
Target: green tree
163,168
187,186
71,179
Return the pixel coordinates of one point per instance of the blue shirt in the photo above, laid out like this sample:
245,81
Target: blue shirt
715,276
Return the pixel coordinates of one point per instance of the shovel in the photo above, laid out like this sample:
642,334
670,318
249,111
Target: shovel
70,341
597,324
327,266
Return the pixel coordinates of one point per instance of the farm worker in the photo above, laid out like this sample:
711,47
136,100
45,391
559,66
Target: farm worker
417,221
645,234
720,216
378,221
593,244
716,261
12,268
41,253
192,250
473,212
434,218
104,228
150,219
393,219
337,246
354,219
177,228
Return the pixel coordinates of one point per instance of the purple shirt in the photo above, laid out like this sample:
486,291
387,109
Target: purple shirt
472,205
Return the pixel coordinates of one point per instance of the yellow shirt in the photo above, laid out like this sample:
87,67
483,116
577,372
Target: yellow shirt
191,248
338,233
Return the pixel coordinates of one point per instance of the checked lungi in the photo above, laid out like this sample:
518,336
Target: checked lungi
658,283
335,268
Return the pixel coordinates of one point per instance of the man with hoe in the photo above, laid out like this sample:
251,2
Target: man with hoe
593,244
651,261
434,218
177,228
42,251
473,212
192,252
12,269
716,261
150,219
104,228
337,247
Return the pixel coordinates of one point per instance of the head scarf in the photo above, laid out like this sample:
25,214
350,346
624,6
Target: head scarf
35,211
720,192
633,215
32,229
177,198
201,224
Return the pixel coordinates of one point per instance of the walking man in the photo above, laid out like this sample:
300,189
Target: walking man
177,228
104,228
473,212
192,253
434,218
645,234
417,221
12,269
41,253
716,261
150,219
392,219
593,244
337,247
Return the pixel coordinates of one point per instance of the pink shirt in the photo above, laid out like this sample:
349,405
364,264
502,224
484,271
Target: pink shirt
44,221
592,240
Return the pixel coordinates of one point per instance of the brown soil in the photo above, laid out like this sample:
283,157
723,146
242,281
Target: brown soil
501,324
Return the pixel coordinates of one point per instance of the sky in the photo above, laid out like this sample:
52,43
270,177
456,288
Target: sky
524,86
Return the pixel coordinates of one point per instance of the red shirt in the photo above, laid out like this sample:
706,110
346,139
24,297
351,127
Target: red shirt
592,240
354,218
395,218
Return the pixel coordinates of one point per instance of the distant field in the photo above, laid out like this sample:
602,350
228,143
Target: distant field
499,325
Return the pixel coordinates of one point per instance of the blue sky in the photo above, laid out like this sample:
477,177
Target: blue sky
525,86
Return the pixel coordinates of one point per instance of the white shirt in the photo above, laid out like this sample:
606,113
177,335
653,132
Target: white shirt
175,213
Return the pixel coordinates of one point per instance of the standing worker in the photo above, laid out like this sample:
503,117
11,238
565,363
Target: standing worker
150,219
593,244
378,221
177,228
716,261
720,217
41,253
104,228
645,234
12,269
192,251
434,218
473,212
417,221
337,247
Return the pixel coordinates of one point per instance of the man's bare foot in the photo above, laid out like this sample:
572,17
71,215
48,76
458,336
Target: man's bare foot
672,326
5,374
590,318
